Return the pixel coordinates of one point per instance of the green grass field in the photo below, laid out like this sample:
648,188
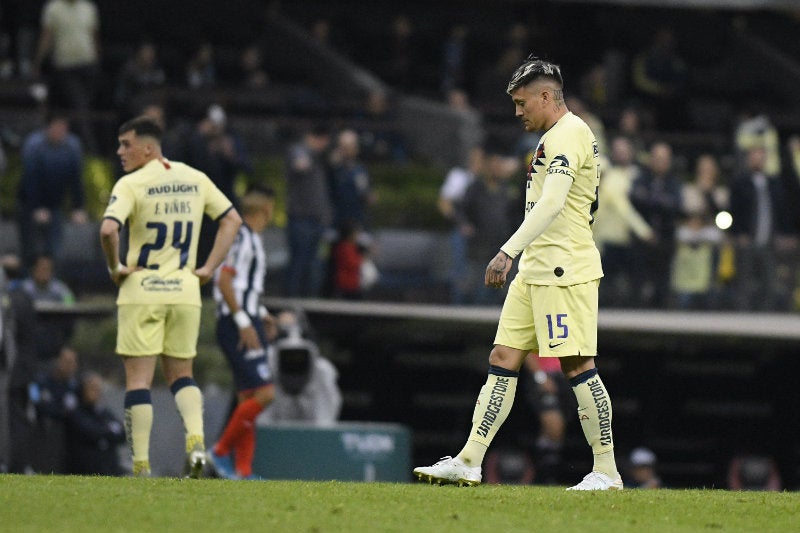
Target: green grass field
62,503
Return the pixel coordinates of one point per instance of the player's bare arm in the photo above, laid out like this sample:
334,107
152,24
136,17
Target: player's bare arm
226,234
497,271
109,240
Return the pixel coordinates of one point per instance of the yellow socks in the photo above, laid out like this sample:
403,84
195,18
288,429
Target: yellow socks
138,424
594,413
189,400
494,403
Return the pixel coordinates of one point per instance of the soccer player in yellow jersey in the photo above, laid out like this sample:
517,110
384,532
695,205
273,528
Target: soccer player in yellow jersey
162,203
551,306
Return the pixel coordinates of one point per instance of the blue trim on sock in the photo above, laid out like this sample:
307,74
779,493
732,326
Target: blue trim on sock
180,383
500,371
137,397
583,377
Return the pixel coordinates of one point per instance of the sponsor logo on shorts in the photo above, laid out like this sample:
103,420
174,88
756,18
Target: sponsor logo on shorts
158,284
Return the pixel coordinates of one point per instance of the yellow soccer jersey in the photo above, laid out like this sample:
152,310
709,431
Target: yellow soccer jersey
163,204
565,252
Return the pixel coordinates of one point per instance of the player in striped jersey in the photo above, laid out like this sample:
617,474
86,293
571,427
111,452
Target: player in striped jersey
241,333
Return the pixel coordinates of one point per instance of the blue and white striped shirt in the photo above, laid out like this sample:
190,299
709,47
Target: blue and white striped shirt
248,262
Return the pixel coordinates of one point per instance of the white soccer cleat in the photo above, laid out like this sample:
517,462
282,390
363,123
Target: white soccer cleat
450,471
196,463
598,481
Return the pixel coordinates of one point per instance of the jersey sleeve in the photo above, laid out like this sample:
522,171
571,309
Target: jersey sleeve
120,204
565,155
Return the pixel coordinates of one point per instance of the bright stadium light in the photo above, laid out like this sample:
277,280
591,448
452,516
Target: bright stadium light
723,220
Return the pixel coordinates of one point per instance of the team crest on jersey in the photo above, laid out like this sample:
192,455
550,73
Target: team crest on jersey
537,160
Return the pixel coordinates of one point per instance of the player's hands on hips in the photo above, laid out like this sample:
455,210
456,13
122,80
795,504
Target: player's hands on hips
248,339
498,269
204,273
119,274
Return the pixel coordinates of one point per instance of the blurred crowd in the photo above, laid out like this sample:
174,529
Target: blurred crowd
679,226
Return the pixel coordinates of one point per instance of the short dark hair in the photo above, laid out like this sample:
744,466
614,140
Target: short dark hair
534,68
142,126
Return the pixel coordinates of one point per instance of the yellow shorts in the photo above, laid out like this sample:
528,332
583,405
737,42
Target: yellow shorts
170,329
551,320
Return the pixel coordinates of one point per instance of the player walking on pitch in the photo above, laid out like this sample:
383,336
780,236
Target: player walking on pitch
242,335
551,306
162,202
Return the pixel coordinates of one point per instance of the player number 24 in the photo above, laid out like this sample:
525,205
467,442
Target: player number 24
181,240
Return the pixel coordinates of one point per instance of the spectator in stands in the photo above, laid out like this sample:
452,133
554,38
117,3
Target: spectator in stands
470,132
762,225
24,369
309,209
698,238
380,139
19,20
350,188
140,74
70,36
631,126
755,129
54,395
401,56
93,432
42,286
216,150
791,180
656,194
660,75
618,224
642,473
485,215
345,263
52,166
517,47
451,194
201,72
251,64
754,472
306,386
454,58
